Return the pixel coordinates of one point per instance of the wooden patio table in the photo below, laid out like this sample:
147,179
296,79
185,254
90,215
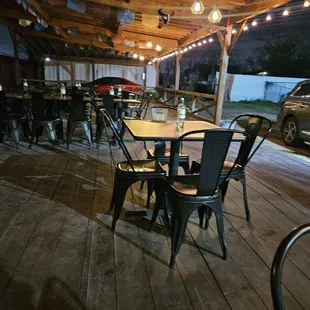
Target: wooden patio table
146,130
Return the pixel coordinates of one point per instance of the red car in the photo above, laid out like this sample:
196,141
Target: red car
104,84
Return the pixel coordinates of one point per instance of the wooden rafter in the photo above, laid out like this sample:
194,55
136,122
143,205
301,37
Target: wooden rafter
236,37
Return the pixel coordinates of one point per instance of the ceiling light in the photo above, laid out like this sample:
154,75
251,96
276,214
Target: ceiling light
181,52
215,15
306,4
204,41
141,58
194,45
149,44
286,12
245,28
185,49
234,31
199,43
176,52
47,59
158,48
254,23
268,17
135,56
210,40
197,7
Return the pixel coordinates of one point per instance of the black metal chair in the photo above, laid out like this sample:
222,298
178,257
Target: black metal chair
253,126
78,118
160,152
44,116
12,120
278,263
108,105
187,193
129,172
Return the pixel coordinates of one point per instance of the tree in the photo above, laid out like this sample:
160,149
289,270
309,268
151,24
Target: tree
281,57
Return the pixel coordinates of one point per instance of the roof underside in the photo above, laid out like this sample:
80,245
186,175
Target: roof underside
97,33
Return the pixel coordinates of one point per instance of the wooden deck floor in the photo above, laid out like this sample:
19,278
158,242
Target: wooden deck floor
57,250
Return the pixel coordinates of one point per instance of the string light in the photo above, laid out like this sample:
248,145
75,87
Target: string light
210,40
245,28
268,17
199,43
204,41
149,44
215,15
149,63
135,56
306,4
286,12
190,47
197,7
194,45
47,59
185,49
141,58
234,31
181,51
254,23
158,48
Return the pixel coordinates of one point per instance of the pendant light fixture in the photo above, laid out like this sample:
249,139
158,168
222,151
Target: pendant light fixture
149,44
197,7
215,15
158,48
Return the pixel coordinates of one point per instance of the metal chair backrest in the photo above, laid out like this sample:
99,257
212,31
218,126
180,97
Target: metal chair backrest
143,106
108,104
215,146
252,128
77,107
108,122
278,263
125,94
3,105
39,107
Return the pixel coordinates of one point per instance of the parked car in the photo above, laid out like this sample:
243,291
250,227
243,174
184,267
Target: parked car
294,115
104,84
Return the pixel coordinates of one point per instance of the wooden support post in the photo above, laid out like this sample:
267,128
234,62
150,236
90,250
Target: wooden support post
157,77
177,79
93,70
194,100
16,57
58,71
145,74
72,73
223,74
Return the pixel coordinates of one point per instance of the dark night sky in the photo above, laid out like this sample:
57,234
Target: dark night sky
296,26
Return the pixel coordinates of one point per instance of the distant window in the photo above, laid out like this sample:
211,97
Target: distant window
116,81
303,91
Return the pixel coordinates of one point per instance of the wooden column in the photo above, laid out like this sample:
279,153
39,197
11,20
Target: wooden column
16,57
156,66
177,79
93,70
58,71
72,73
223,74
145,76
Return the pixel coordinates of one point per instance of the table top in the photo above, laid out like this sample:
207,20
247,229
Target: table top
58,97
144,130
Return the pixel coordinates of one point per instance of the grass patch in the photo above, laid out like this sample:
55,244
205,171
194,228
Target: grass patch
264,103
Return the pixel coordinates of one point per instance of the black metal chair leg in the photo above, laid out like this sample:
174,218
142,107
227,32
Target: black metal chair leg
51,131
245,198
33,133
142,184
150,189
220,227
15,131
185,167
208,216
224,188
99,130
1,133
87,130
70,129
201,214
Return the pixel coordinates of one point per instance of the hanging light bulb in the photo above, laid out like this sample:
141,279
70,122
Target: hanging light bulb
185,49
135,56
268,17
190,47
141,58
181,52
215,15
197,7
149,44
286,12
158,48
47,59
210,40
234,31
149,63
204,41
245,28
199,43
306,4
254,23
194,45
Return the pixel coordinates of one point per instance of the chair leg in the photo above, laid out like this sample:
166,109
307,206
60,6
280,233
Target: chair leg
99,130
208,216
224,188
2,127
185,167
142,184
220,227
201,214
33,133
150,189
245,198
15,131
87,130
70,129
51,131
179,222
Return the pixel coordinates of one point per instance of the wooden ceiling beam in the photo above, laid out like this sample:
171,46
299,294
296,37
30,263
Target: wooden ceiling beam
38,7
201,33
255,8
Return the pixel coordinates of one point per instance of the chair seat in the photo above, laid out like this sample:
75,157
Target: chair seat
164,153
48,118
186,185
142,167
12,117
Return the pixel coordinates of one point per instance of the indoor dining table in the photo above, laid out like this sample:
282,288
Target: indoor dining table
147,130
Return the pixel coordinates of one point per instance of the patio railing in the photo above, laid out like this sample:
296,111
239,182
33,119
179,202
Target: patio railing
199,104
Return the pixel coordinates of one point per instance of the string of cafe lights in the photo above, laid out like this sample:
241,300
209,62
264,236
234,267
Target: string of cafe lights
286,12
